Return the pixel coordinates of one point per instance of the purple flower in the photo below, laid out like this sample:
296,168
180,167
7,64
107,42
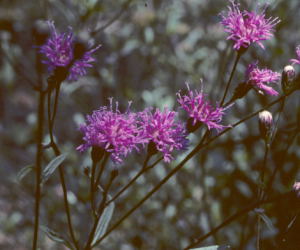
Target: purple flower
161,129
297,61
259,77
59,52
200,110
115,132
246,27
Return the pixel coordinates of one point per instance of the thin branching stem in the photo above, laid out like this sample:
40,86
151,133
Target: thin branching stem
237,215
102,166
113,19
181,164
92,183
260,192
51,119
281,164
238,56
38,166
157,187
141,172
99,213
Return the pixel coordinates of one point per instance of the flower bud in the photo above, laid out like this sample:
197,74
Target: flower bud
296,188
265,124
240,91
288,76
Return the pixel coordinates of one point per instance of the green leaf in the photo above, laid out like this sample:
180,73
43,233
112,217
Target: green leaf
23,172
103,222
53,235
215,247
266,219
51,167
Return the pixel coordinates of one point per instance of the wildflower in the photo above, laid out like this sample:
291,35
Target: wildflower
59,52
200,110
113,131
288,76
296,61
164,133
259,77
246,27
265,119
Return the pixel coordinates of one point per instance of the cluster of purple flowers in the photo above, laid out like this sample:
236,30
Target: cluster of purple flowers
246,27
120,133
59,52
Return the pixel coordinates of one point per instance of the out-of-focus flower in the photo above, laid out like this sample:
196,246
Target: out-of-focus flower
258,78
297,60
115,132
245,27
265,120
162,130
296,188
200,110
59,52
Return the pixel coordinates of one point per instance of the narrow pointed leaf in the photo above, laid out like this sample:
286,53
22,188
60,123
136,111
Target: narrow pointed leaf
268,222
51,167
214,247
55,236
23,172
103,222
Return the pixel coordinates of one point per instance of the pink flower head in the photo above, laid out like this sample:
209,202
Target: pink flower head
297,60
200,110
258,78
115,132
246,27
164,131
59,52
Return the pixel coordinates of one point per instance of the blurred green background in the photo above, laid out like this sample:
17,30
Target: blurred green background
148,52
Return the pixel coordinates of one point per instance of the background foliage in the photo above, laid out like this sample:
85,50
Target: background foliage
147,54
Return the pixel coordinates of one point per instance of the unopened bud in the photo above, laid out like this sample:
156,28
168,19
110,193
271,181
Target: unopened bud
296,188
287,79
265,124
240,91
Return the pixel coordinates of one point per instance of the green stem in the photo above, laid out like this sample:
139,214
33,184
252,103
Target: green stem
157,187
99,214
261,191
238,56
92,183
102,166
56,150
38,166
